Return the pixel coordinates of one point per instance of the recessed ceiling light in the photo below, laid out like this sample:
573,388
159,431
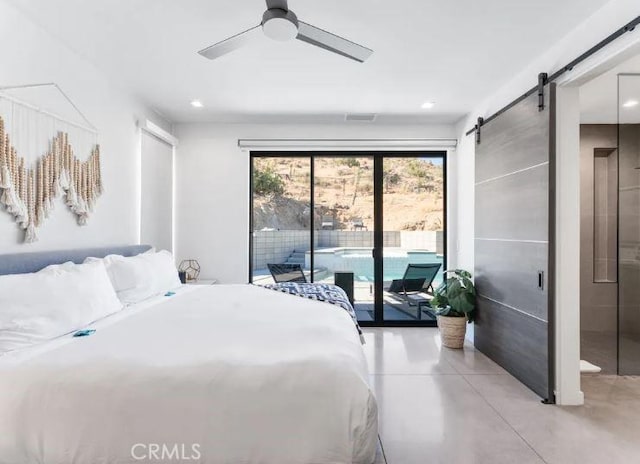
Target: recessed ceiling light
196,103
630,103
428,105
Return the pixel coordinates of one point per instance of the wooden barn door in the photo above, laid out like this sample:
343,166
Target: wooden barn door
514,240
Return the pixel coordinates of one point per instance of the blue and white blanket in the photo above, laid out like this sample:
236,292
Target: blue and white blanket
321,292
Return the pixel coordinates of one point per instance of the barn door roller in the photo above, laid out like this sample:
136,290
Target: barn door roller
543,79
479,129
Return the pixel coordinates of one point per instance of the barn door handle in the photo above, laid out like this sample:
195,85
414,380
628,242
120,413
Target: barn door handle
541,280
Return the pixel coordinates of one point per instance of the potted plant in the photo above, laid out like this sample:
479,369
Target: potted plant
454,302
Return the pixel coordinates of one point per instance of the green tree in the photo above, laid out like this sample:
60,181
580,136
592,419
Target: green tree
425,174
390,178
349,162
267,182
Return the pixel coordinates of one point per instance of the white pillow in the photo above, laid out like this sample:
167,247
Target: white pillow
64,267
131,278
55,301
137,278
164,268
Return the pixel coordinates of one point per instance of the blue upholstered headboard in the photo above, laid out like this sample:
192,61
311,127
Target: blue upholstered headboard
22,263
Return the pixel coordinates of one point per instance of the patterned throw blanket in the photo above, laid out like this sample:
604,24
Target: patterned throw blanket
321,292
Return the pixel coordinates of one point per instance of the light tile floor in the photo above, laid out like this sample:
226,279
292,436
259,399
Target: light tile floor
458,407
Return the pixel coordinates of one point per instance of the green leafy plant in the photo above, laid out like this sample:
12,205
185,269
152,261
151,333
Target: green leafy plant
426,175
267,182
350,162
456,296
390,177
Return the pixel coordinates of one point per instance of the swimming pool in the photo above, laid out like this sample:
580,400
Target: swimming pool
360,261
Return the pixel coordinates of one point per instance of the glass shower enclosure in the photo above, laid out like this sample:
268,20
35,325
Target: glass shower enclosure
629,224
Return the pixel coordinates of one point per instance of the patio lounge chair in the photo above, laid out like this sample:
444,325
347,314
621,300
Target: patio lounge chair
358,224
287,273
327,223
418,278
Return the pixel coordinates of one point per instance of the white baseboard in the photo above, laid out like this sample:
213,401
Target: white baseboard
573,398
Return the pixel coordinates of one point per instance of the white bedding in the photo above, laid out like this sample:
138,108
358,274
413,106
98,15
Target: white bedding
247,375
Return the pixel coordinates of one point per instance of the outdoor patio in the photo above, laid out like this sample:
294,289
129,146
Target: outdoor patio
395,307
351,251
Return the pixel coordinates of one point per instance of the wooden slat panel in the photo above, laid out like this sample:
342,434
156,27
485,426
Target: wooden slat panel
514,207
523,148
515,341
508,272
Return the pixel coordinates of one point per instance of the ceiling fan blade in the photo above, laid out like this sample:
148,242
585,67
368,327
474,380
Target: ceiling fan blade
231,44
333,43
281,4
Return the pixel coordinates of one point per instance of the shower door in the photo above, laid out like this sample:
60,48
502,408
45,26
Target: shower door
629,224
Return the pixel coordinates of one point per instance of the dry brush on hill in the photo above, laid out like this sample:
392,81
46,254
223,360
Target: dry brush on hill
413,192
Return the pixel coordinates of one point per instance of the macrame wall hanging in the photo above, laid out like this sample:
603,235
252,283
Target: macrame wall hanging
38,164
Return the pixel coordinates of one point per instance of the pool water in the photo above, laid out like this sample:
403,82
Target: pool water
360,262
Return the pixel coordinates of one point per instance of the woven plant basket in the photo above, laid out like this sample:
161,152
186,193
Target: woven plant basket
452,331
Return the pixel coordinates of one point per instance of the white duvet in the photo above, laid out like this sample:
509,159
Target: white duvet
214,374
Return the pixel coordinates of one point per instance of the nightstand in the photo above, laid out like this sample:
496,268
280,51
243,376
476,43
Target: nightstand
203,282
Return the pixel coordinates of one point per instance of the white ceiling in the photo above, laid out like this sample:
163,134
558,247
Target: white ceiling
453,52
599,97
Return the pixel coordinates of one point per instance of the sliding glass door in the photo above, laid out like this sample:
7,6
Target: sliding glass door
413,235
371,223
344,205
280,214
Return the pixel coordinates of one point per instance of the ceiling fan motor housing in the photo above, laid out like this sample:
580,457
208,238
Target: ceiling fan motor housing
280,25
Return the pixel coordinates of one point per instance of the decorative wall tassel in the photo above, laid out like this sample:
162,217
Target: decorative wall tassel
5,180
64,183
48,184
5,176
28,194
56,168
23,213
30,235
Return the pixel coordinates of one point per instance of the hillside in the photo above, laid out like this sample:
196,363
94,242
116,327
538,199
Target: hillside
413,193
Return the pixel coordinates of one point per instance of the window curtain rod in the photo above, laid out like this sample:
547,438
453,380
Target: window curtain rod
338,144
593,50
157,131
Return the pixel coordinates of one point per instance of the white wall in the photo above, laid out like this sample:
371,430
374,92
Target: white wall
30,55
608,19
212,186
465,197
567,321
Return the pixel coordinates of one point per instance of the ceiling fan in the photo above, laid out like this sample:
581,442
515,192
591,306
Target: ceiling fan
280,23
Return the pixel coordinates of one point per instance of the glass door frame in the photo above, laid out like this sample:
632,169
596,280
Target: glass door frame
378,206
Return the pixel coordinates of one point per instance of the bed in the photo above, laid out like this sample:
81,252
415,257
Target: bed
211,374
